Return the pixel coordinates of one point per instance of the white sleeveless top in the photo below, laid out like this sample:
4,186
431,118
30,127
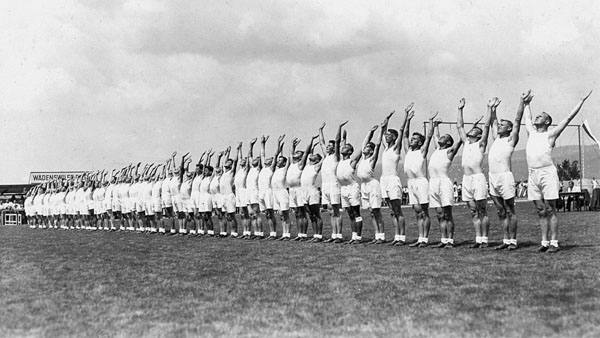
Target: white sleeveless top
252,178
278,179
226,182
389,162
364,170
186,189
240,178
214,185
499,156
264,178
309,176
414,164
345,173
293,175
328,169
204,185
472,157
156,189
439,163
539,151
166,193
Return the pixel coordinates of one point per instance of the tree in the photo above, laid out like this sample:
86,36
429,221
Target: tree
568,170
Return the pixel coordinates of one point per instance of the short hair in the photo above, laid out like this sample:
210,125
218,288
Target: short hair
370,144
393,131
332,141
284,159
510,124
477,128
450,141
209,167
350,146
420,136
319,156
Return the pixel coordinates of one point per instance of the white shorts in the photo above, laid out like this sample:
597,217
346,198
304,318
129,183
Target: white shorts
418,191
156,205
62,209
187,205
107,204
217,201
502,185
167,201
440,192
125,205
241,198
71,209
310,196
331,194
474,187
295,197
371,194
281,199
252,195
116,205
98,207
391,187
205,204
177,204
265,199
228,203
149,207
195,199
543,184
350,195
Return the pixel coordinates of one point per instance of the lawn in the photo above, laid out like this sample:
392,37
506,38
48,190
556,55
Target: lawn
59,283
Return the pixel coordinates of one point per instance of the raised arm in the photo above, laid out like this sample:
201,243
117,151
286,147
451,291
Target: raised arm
277,151
528,119
263,145
460,123
494,118
486,127
406,134
384,126
429,136
514,135
436,134
338,141
555,133
375,156
307,151
322,141
250,152
454,149
407,112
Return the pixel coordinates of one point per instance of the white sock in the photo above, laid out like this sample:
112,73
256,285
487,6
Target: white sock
354,235
317,236
450,240
223,233
234,234
211,232
554,242
545,243
444,240
193,232
513,241
425,240
506,241
477,239
273,234
484,239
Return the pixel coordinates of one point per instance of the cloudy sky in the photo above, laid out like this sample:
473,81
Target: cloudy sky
97,84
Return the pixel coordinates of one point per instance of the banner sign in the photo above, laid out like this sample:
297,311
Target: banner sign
43,176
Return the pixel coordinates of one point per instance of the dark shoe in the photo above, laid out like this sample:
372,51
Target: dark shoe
439,245
330,240
296,239
338,241
553,249
392,243
350,241
358,241
483,245
423,245
512,247
542,248
271,238
317,240
415,244
501,246
380,241
285,239
372,242
449,245
259,238
475,246
400,243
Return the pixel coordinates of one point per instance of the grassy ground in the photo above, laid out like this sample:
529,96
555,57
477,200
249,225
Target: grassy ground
67,283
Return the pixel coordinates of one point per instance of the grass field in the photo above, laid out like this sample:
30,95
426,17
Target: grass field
59,283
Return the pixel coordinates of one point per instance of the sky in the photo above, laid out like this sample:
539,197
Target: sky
87,85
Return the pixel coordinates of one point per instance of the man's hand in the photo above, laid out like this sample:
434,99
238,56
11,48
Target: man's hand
315,137
586,97
437,122
174,154
434,115
253,141
461,103
527,97
409,107
389,116
477,121
323,126
280,138
374,127
263,139
496,103
239,145
343,123
295,142
410,115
